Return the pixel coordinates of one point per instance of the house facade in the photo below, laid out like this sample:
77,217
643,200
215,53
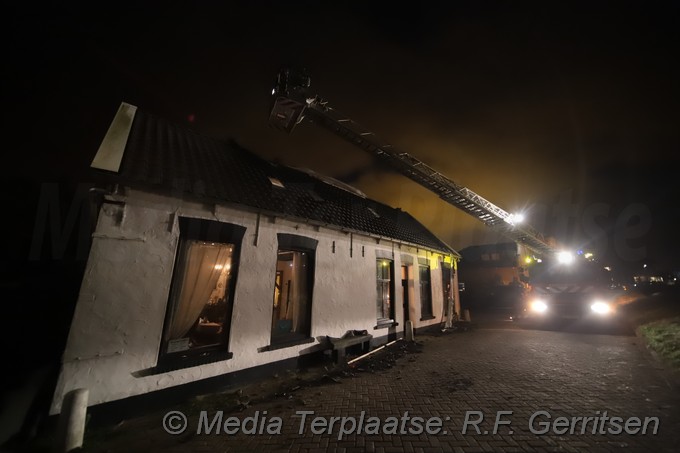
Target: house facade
207,261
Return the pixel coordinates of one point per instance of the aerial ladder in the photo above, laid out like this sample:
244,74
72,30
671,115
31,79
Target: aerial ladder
293,102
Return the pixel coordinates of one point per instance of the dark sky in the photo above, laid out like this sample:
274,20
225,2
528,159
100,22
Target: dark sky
568,111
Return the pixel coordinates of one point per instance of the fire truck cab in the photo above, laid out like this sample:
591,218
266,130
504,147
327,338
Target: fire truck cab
569,286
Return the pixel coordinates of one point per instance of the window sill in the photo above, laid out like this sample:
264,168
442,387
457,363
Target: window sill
180,363
427,318
386,325
287,344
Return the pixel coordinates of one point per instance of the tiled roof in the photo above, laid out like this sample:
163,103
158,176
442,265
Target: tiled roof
161,155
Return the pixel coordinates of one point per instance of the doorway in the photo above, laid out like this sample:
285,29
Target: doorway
446,286
404,292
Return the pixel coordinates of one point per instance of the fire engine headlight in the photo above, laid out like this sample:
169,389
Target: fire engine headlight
601,308
538,306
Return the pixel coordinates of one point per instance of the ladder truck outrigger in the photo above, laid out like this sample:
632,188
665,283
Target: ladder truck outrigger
293,101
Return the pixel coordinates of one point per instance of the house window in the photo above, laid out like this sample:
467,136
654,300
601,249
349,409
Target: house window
292,305
385,298
201,297
425,292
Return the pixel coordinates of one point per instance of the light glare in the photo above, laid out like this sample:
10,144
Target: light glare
600,308
514,218
539,306
565,257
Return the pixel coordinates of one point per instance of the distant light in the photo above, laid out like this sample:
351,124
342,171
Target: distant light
644,265
607,268
273,91
539,260
218,266
565,257
588,255
527,260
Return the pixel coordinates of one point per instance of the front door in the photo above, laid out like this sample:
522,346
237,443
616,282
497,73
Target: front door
446,286
404,289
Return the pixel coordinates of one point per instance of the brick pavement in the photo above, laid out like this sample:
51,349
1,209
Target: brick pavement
522,371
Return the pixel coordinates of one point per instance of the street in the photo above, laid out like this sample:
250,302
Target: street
534,376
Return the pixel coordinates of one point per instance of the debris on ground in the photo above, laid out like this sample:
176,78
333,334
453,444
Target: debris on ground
388,356
284,386
438,331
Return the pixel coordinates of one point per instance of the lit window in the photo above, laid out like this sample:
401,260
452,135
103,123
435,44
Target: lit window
384,301
201,297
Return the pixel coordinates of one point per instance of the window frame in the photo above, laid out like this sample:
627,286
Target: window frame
300,244
392,313
425,314
197,229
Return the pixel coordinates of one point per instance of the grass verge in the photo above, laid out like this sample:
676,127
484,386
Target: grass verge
664,338
656,318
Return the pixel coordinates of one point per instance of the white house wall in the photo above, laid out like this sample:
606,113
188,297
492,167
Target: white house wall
118,321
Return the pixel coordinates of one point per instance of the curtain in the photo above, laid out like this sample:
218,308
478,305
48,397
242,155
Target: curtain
203,264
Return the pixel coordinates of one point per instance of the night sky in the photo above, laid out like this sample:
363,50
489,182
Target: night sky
568,112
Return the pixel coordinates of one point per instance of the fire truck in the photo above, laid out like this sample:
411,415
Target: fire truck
568,286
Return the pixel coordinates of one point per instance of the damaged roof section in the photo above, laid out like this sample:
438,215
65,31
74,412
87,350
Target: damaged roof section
159,155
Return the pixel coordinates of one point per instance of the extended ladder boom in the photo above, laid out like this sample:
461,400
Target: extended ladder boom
292,105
